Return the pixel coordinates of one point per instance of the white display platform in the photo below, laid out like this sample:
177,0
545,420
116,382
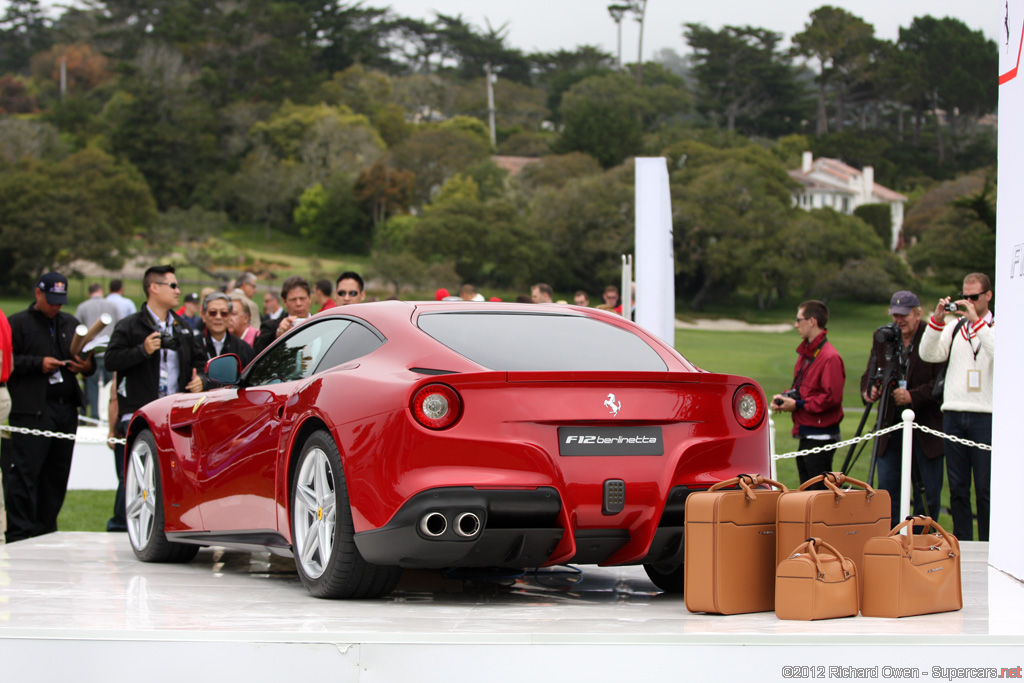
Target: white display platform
92,463
79,606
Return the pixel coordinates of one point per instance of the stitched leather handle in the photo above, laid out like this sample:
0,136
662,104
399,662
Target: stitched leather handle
748,482
811,547
833,480
926,522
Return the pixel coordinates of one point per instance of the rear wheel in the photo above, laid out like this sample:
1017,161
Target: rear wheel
144,506
667,577
326,556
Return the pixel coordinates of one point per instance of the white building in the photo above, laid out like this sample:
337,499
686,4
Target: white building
831,183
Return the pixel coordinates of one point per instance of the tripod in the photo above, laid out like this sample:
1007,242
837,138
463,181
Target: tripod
894,370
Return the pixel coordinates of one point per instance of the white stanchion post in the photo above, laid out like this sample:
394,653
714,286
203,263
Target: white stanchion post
771,449
908,454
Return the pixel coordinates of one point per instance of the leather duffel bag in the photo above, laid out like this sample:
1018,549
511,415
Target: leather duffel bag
909,574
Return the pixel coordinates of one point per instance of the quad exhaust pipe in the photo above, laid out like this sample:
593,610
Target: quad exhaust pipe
465,524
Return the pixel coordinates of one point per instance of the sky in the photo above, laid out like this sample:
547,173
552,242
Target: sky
548,25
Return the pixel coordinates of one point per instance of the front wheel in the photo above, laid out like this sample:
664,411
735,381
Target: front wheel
326,556
667,577
144,506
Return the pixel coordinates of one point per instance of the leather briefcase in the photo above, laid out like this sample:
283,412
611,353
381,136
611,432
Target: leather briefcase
911,574
816,582
845,518
729,562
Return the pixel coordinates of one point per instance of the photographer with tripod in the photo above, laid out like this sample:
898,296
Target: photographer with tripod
896,379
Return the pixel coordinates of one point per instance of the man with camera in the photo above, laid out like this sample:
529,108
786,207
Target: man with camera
151,351
816,397
898,376
963,332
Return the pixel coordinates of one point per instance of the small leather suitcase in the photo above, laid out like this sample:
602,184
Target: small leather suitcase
816,582
844,518
729,562
906,575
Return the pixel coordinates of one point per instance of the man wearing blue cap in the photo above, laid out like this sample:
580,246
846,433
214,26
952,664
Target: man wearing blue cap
910,386
45,396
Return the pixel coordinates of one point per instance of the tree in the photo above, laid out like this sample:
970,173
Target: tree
24,31
741,75
383,191
84,68
86,206
434,155
21,138
601,118
330,217
957,65
839,41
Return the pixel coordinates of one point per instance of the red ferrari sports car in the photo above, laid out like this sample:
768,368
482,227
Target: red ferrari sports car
442,434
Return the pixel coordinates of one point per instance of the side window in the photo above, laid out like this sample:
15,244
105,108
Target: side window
355,342
298,356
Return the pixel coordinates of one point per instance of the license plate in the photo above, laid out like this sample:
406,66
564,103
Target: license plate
610,441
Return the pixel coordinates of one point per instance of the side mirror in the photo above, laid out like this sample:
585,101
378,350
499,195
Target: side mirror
225,369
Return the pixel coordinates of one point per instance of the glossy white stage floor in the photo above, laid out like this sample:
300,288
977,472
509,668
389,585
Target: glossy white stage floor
79,606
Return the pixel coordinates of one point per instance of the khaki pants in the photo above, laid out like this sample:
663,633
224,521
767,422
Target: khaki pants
5,410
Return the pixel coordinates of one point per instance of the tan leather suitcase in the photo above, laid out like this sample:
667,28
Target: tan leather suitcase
909,575
845,518
729,564
816,582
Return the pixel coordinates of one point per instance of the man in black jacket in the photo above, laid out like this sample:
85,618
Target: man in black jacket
215,339
45,395
152,353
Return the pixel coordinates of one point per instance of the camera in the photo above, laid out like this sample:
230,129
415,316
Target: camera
888,334
169,341
951,306
792,393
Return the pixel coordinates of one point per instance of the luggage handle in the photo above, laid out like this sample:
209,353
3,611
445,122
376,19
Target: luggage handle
833,480
923,521
747,482
809,546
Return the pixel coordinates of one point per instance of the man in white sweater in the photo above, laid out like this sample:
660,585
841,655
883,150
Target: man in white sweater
967,338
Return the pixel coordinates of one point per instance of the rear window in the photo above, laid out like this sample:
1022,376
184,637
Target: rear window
527,342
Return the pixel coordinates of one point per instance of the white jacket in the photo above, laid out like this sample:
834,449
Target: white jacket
973,349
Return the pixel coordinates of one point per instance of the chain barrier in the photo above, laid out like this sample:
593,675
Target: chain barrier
818,449
880,432
61,435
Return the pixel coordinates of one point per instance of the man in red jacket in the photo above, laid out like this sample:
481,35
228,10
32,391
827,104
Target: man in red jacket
816,397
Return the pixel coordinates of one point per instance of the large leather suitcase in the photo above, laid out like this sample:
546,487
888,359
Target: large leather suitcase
729,563
911,574
845,518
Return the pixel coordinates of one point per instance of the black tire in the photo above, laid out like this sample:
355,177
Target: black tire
145,506
668,578
340,572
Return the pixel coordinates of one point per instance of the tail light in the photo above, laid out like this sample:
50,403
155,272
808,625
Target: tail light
436,406
748,406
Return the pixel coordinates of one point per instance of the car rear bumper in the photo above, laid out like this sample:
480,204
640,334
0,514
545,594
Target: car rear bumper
512,528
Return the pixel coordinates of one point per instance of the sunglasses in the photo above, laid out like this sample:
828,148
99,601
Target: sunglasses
972,297
172,285
352,293
218,314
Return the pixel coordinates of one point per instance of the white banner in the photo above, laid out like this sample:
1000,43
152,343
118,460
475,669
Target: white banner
1007,460
654,262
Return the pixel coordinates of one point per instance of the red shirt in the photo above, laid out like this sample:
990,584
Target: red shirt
6,347
330,303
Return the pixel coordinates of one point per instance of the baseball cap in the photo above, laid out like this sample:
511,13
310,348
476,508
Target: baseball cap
902,302
192,298
55,287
